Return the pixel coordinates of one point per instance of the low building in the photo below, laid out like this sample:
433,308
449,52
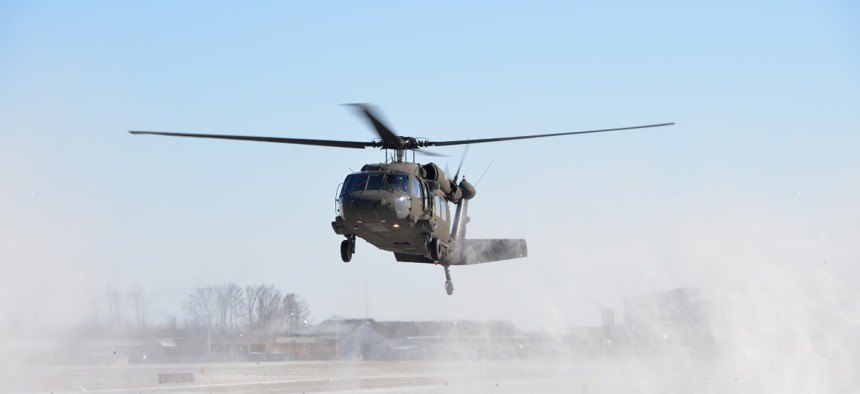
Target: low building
347,339
454,340
367,339
675,320
121,351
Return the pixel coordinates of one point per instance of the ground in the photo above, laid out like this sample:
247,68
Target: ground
311,377
626,375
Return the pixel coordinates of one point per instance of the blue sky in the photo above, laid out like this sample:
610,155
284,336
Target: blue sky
759,174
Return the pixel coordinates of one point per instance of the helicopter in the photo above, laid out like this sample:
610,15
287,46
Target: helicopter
402,206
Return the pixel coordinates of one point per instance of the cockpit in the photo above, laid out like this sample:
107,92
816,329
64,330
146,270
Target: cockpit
375,181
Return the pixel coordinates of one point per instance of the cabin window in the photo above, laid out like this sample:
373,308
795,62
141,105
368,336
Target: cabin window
416,187
441,208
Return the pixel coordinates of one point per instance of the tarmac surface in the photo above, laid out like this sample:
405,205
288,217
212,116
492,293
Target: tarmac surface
311,377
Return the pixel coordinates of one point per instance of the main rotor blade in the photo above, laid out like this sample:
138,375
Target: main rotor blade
384,131
522,137
299,141
462,159
426,152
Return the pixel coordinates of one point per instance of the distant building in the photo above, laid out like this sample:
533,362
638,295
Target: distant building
454,340
243,348
675,320
133,351
300,348
122,351
367,339
347,339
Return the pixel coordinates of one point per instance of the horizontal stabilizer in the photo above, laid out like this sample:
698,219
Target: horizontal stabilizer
477,251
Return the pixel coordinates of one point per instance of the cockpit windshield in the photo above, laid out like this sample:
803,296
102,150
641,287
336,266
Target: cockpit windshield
354,182
396,182
375,181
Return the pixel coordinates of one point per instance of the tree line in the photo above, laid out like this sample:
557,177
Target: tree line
231,309
227,309
113,301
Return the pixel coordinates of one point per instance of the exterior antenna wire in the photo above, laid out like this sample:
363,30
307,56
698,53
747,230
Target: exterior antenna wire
485,171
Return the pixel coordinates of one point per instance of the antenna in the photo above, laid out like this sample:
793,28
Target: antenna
485,171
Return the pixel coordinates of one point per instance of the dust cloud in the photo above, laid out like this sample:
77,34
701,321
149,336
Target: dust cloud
764,302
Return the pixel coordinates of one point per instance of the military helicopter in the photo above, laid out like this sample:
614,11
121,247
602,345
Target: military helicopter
402,206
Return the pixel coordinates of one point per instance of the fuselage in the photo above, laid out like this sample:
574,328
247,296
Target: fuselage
393,208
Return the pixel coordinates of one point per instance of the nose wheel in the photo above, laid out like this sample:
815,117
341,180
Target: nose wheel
449,286
347,248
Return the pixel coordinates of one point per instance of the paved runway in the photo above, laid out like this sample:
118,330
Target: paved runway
311,377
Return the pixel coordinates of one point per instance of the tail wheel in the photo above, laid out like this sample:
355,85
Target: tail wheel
435,249
346,251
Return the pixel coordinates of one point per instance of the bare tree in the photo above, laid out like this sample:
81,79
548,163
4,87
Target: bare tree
268,306
95,309
113,316
229,306
295,313
237,304
201,305
170,323
251,295
137,300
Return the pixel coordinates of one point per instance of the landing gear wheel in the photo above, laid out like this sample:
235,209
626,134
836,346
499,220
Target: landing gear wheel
435,250
347,248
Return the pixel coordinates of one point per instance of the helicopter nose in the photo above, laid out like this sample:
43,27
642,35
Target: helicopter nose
366,208
376,208
366,202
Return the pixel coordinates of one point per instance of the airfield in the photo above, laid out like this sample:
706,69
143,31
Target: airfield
319,377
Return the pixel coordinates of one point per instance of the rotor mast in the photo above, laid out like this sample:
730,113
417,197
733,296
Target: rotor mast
400,154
